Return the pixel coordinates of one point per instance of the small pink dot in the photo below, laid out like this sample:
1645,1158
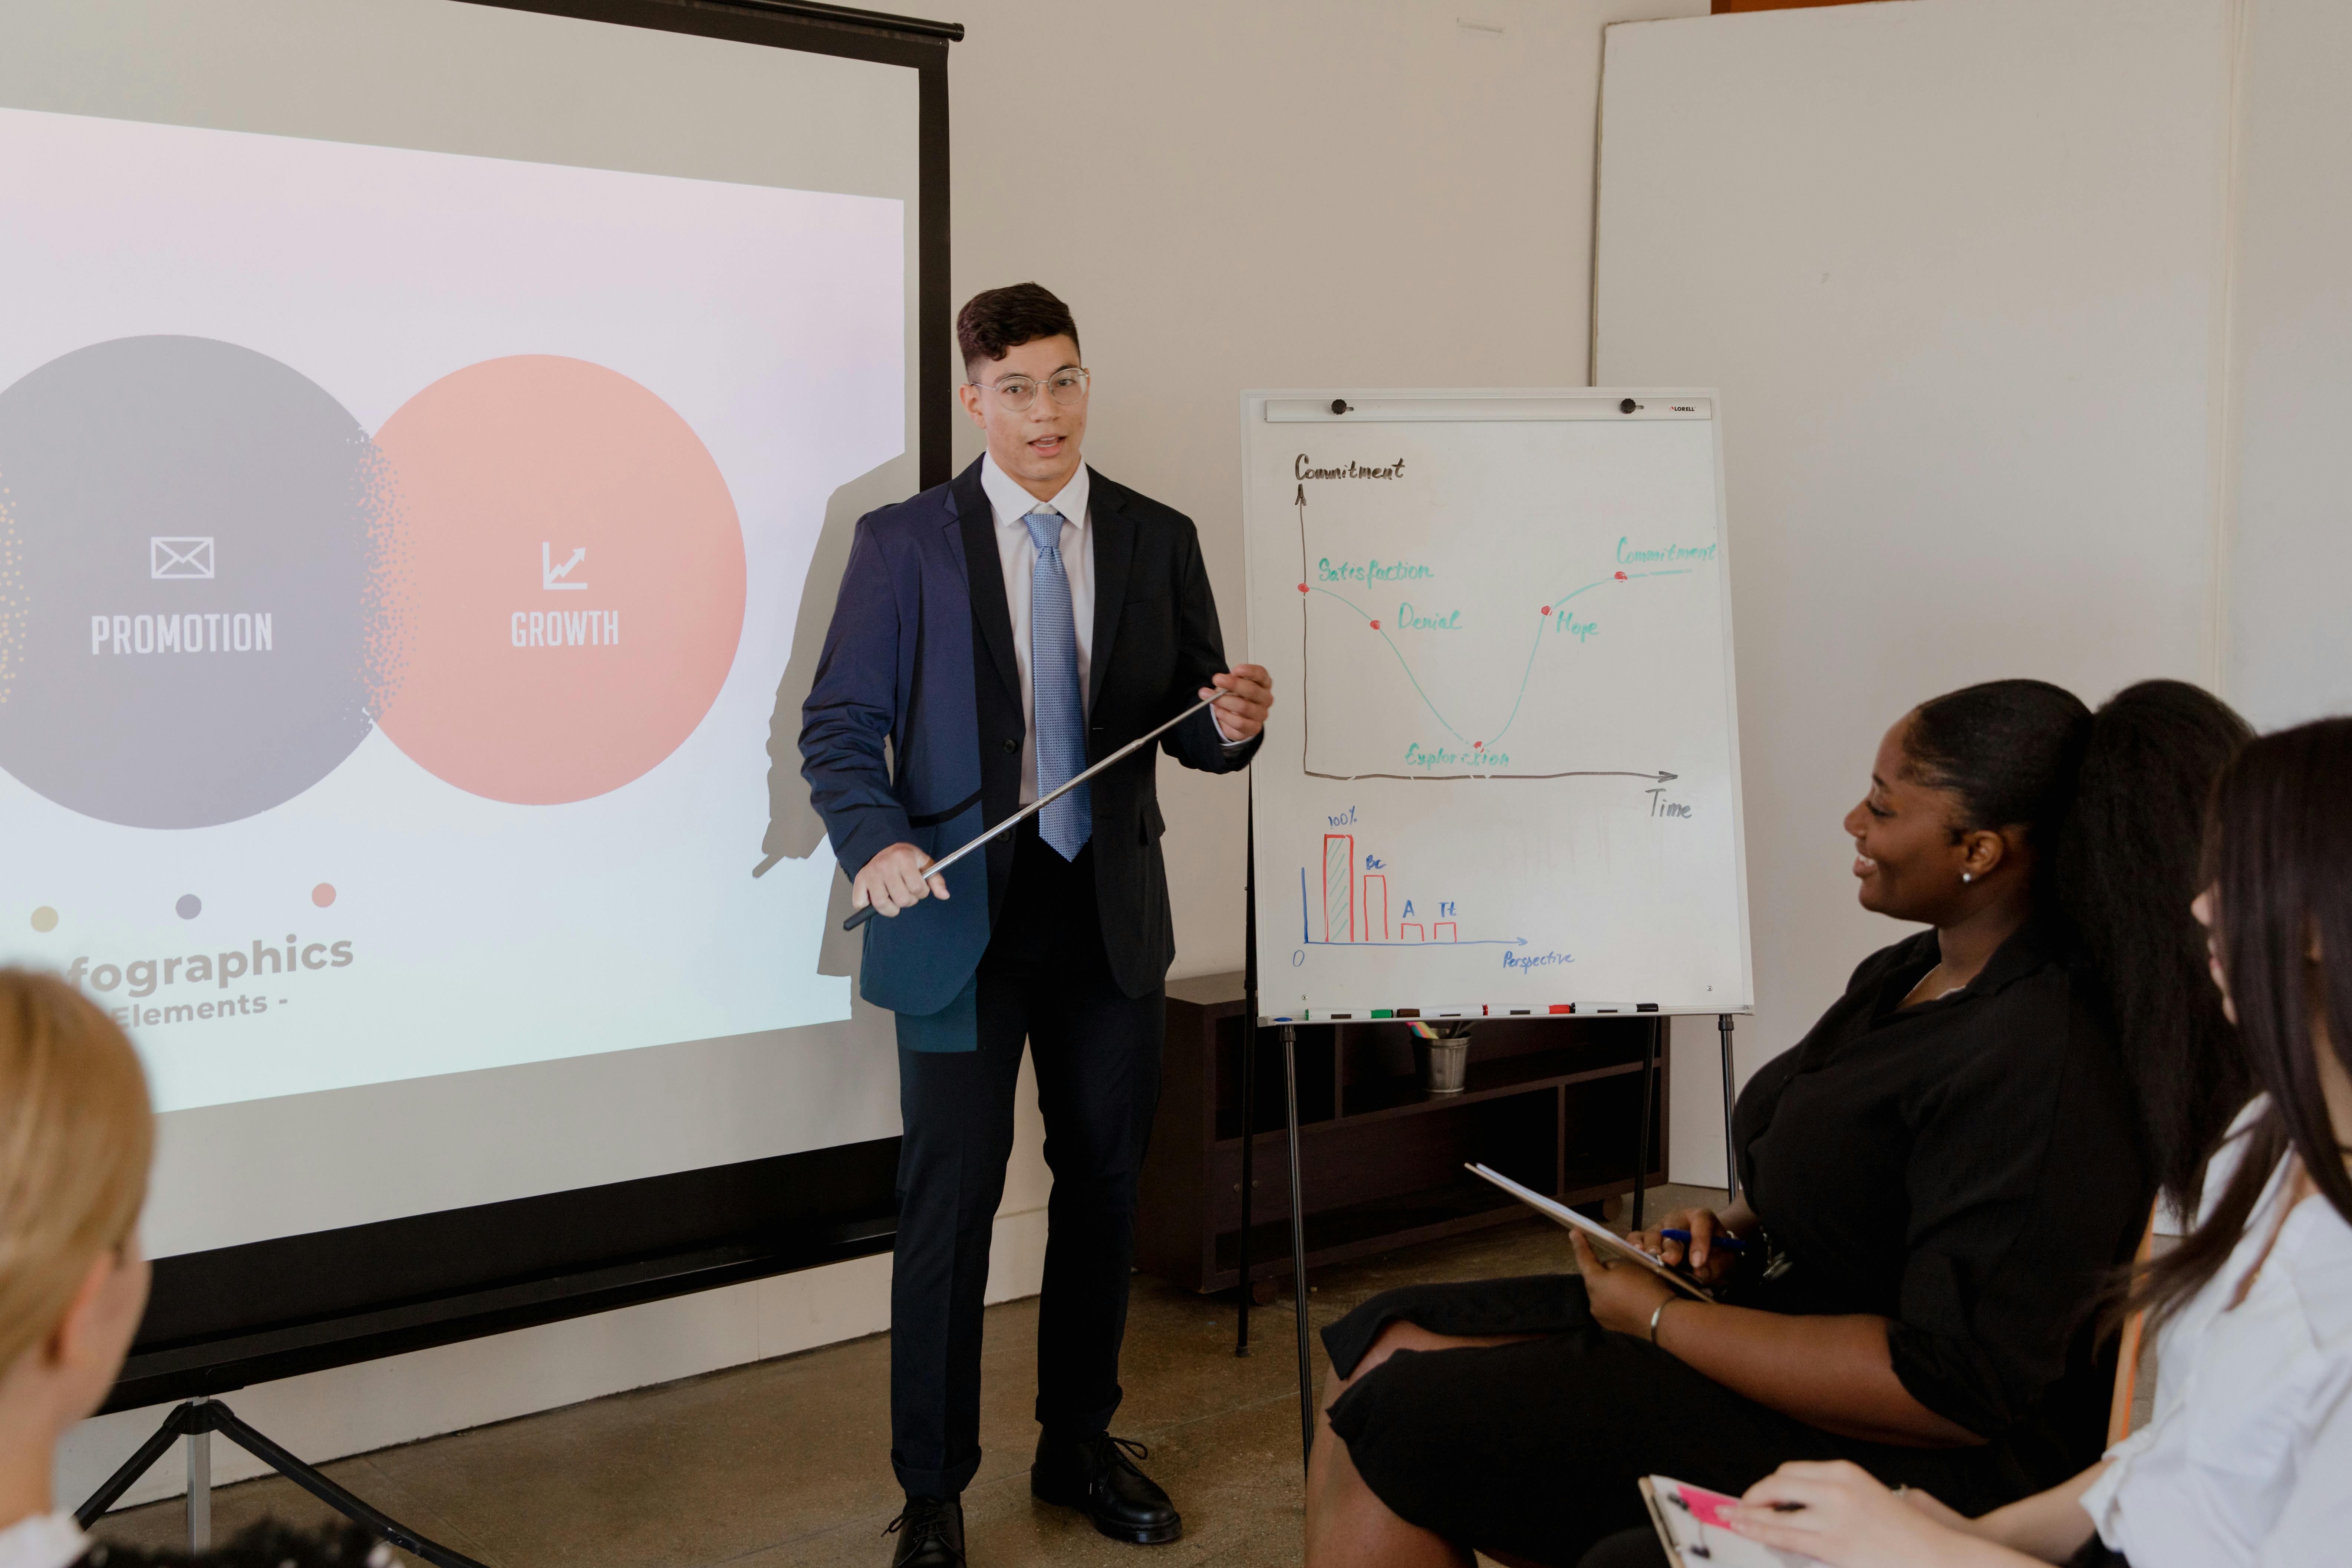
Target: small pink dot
1547,609
1302,587
1376,625
1477,745
323,894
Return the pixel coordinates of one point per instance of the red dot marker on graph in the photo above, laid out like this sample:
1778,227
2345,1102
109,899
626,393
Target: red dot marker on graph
1621,576
1547,609
1477,745
1376,625
1302,587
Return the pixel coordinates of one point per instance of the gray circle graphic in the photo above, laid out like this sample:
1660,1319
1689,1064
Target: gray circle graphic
192,624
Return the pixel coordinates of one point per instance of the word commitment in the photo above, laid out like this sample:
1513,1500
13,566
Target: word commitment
565,628
1354,471
191,633
1630,557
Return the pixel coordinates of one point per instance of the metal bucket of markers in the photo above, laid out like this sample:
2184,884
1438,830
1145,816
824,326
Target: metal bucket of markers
1444,1056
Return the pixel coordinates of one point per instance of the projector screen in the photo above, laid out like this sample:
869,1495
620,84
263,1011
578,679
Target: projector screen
417,423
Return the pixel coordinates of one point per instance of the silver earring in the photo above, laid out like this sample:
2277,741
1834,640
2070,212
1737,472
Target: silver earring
1966,877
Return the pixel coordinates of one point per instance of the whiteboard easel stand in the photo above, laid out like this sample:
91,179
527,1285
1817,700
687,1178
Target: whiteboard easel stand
1249,1144
1298,1244
1249,1075
1652,1051
1654,1043
1730,1164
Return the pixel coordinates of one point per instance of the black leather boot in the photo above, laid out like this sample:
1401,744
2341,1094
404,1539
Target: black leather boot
930,1533
1094,1475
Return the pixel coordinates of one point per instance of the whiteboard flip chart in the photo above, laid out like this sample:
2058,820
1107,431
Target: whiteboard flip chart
1502,775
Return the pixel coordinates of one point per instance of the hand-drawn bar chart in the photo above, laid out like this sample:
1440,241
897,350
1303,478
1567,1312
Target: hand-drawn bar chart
1356,908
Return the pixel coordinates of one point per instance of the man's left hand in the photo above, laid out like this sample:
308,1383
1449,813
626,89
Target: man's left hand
1241,716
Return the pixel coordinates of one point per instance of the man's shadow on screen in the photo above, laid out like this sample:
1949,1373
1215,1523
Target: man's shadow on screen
794,829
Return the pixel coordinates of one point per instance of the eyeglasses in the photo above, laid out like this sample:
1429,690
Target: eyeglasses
1067,387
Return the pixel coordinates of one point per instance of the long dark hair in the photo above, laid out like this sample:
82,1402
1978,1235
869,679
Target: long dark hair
2278,859
2112,803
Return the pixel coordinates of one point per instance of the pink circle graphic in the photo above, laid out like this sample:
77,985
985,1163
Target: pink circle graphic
323,894
575,573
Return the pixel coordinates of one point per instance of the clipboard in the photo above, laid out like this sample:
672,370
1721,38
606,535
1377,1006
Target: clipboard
1690,1525
1597,1233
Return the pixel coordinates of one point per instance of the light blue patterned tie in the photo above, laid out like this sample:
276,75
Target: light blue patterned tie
1054,688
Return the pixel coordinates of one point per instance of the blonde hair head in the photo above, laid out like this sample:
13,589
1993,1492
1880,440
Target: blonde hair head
75,1136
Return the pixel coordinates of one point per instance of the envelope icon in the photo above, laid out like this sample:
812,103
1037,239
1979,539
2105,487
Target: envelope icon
185,558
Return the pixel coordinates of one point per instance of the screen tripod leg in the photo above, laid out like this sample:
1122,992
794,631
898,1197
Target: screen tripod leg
199,1418
200,1488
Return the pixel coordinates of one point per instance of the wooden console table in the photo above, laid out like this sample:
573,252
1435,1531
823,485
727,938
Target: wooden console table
1553,1103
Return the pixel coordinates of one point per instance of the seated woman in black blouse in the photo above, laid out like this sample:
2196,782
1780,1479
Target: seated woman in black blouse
1936,1180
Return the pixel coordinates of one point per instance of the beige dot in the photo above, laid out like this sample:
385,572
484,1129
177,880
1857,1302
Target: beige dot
45,918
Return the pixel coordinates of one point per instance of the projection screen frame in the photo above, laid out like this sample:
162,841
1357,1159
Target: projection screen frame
228,1318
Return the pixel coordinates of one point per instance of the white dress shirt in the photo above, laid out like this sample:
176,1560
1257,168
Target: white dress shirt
44,1540
2248,1457
1016,555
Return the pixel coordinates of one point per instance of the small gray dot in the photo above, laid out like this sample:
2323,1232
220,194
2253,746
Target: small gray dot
190,906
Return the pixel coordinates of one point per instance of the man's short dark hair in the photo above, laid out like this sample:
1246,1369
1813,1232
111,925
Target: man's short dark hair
996,321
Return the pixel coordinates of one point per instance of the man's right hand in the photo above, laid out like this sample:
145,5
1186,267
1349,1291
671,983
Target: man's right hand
1709,1264
894,880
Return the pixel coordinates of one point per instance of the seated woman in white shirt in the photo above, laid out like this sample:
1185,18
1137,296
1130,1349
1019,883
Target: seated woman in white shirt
75,1136
2249,1456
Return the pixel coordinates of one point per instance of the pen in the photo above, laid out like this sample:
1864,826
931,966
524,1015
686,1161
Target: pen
1727,1243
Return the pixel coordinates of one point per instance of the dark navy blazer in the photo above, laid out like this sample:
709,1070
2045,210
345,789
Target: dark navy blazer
920,655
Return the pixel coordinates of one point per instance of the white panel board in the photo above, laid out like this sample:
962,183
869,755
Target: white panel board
2291,557
1509,781
1959,269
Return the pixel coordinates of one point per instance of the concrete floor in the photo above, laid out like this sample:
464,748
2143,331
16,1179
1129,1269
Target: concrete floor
787,1461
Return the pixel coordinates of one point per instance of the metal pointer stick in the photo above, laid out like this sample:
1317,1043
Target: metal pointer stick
859,917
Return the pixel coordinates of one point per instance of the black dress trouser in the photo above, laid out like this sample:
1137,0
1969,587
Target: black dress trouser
1045,980
1536,1449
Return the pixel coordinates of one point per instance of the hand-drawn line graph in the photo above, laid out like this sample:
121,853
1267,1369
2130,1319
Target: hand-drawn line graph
1553,618
1356,912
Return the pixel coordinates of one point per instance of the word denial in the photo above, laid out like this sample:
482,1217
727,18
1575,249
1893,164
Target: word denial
565,628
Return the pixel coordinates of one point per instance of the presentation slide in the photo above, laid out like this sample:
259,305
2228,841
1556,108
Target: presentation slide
398,553
429,433
380,691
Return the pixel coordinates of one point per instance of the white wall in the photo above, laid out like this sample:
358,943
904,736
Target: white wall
2290,562
1237,193
1960,267
1228,193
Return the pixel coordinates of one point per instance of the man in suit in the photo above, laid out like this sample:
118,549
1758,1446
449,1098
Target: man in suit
1000,633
